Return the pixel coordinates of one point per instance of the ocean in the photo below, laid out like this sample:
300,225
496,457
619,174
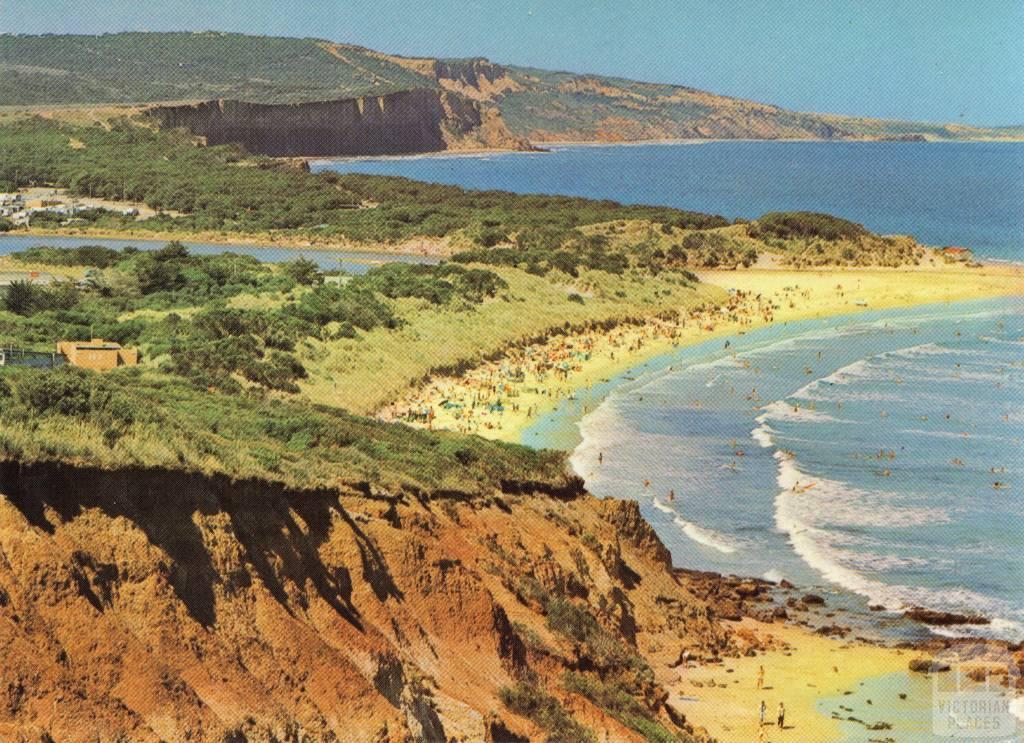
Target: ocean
874,458
942,193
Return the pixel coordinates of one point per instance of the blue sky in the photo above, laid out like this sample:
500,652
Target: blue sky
934,60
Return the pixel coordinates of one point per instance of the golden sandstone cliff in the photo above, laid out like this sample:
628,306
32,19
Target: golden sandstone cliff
155,605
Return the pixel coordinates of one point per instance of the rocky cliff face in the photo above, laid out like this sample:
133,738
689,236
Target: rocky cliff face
423,120
156,605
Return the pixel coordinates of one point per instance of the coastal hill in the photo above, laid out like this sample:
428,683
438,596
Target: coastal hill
286,96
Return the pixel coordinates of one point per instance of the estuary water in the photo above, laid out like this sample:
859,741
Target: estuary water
354,262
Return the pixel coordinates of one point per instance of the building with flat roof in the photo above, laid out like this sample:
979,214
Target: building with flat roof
98,354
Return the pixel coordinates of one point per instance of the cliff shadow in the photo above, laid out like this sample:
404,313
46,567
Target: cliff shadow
164,504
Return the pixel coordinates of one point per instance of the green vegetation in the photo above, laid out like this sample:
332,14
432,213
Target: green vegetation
610,655
216,345
711,250
95,256
437,284
228,322
547,712
616,678
786,225
617,702
225,189
168,172
813,239
139,417
137,67
381,365
541,104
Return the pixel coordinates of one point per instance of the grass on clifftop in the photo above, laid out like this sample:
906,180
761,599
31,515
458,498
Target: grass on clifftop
139,418
235,355
365,372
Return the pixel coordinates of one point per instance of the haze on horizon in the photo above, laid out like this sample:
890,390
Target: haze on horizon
903,59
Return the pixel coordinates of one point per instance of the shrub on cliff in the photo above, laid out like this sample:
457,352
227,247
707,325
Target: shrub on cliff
547,712
616,701
608,652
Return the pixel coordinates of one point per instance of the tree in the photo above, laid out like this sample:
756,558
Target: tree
303,271
21,298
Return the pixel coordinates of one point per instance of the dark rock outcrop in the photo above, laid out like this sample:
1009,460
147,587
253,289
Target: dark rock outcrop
411,121
923,665
943,618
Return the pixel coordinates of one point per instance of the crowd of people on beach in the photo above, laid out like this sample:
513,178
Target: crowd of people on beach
478,401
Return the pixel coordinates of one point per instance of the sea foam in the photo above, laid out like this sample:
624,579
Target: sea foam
705,536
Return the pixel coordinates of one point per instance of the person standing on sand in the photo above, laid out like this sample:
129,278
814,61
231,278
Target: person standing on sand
762,712
782,716
762,736
760,679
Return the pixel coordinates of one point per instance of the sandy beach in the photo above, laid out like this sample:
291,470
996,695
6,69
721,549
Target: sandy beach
801,671
502,398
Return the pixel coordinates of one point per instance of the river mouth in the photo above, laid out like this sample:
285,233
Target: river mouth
820,452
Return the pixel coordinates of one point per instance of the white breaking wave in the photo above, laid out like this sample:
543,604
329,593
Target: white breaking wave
927,349
705,536
833,503
1001,341
953,435
775,576
805,523
763,436
780,410
598,431
664,507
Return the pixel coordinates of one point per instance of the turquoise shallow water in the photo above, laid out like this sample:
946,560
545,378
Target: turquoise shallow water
857,455
966,193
